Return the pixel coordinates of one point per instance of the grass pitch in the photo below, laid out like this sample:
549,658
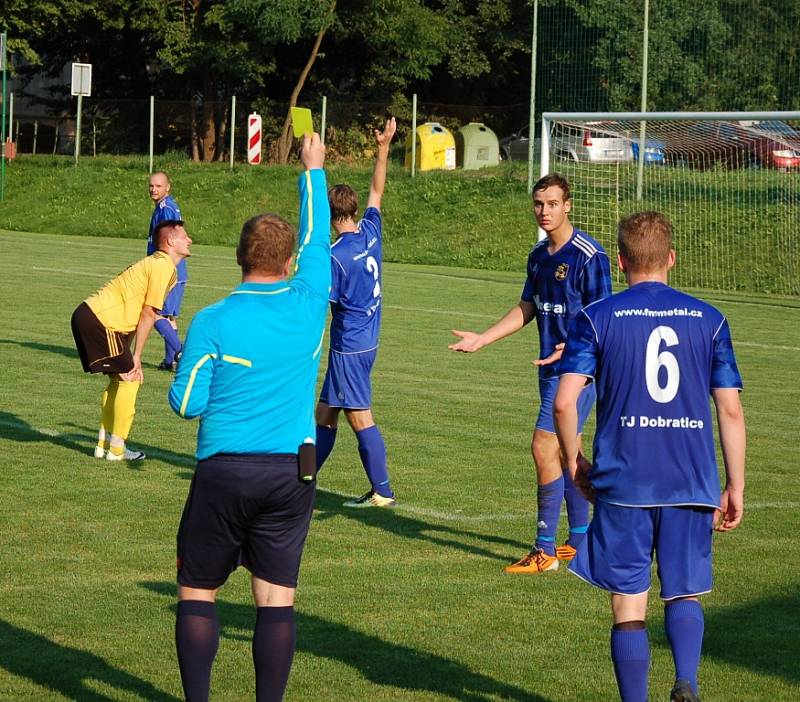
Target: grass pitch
409,605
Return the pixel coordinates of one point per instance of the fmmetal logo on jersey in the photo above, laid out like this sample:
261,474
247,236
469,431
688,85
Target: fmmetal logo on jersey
562,271
647,312
550,307
645,422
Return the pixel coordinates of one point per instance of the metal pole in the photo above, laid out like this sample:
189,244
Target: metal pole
544,161
414,136
324,117
3,128
643,124
532,115
78,129
233,127
152,128
10,116
35,134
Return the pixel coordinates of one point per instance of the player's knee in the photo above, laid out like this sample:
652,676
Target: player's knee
359,419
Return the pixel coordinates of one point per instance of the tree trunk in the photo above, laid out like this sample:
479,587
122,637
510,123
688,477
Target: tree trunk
222,130
209,136
284,144
194,136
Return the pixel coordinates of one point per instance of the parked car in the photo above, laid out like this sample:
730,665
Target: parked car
591,144
653,150
515,146
777,145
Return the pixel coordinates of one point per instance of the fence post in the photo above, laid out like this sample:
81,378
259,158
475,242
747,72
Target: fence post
532,115
152,127
414,136
233,127
10,131
643,124
78,129
324,116
3,37
35,134
55,139
94,137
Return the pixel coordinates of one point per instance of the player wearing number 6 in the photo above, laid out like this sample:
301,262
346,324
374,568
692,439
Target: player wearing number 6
355,299
655,355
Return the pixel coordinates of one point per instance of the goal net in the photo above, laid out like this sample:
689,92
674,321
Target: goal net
729,183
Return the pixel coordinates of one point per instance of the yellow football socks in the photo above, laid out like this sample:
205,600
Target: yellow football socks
119,411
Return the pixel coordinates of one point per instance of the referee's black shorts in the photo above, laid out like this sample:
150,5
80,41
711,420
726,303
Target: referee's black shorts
101,350
244,509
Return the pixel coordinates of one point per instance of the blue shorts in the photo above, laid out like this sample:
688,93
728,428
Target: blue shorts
617,553
347,382
172,303
547,396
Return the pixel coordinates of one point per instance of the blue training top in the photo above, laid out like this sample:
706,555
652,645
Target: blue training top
560,285
356,260
250,361
655,355
164,210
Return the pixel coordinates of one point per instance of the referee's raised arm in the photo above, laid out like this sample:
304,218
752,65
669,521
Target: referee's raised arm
314,250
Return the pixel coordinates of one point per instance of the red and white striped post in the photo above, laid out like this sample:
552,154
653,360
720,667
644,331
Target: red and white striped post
254,139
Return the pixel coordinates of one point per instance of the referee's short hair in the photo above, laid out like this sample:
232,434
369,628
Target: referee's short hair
645,241
267,241
163,230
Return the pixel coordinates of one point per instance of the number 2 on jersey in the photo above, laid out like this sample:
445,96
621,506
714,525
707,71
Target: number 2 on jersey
655,361
372,267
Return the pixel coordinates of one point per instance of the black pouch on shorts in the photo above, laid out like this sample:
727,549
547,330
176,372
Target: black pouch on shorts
307,462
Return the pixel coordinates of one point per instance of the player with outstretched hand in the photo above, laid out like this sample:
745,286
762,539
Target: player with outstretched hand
356,294
249,372
566,271
655,355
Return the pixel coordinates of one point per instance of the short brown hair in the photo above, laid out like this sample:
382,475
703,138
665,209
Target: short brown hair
645,240
343,201
552,179
267,241
163,231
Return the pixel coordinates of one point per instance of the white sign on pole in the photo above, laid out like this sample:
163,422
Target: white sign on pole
82,79
3,51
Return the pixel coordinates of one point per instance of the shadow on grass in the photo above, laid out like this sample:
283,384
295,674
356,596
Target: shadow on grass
68,351
761,635
15,429
329,505
66,670
381,662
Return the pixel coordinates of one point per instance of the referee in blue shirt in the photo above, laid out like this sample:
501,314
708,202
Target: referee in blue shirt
249,370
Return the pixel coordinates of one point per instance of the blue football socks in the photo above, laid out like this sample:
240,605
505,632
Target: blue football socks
196,641
684,624
373,456
172,344
630,653
577,511
326,438
273,651
549,499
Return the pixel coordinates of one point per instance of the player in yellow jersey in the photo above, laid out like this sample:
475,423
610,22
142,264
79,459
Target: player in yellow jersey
105,323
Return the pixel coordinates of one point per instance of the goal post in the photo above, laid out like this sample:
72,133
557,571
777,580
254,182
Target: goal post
728,181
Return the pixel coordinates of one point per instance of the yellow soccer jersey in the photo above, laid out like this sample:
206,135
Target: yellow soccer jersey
118,305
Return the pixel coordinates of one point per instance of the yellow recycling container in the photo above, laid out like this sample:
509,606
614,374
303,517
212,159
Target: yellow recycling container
436,148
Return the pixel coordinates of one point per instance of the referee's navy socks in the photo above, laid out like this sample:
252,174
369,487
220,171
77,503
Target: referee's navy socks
549,497
172,342
196,641
273,650
577,511
373,456
326,438
630,653
684,623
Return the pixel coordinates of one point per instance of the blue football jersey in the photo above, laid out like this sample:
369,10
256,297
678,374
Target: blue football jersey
655,355
164,210
356,263
562,284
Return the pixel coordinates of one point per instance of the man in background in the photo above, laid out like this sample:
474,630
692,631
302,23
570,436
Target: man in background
166,322
355,297
654,354
105,323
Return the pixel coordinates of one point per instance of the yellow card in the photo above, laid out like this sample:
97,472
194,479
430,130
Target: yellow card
301,121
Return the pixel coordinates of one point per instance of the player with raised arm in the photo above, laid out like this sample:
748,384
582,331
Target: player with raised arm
655,355
566,271
356,265
164,209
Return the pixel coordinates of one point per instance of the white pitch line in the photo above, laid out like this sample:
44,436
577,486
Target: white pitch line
105,275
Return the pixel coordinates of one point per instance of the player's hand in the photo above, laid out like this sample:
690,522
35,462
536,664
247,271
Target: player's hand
581,478
313,152
731,509
552,358
135,374
470,341
384,138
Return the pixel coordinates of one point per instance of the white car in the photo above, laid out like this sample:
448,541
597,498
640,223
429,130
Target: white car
587,143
